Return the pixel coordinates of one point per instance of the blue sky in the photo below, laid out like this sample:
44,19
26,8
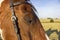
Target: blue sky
47,8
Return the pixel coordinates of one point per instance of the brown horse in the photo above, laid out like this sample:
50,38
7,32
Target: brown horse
29,25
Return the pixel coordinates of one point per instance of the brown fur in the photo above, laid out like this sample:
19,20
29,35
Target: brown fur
30,30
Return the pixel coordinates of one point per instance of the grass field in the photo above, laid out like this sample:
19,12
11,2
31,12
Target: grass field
52,28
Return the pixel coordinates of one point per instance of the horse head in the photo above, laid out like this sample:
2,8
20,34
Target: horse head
29,26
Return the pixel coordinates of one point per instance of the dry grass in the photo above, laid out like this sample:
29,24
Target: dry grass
53,25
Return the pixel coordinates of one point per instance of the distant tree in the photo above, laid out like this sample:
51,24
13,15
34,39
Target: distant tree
56,18
51,20
48,18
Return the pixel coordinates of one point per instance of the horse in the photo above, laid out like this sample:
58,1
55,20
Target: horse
29,25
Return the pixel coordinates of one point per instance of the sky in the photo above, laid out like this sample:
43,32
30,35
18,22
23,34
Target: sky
47,8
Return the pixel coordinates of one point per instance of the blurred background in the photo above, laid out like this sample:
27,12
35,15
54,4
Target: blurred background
49,15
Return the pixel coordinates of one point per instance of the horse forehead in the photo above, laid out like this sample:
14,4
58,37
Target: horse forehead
1,2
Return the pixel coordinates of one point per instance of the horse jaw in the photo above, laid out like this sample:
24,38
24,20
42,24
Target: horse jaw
1,2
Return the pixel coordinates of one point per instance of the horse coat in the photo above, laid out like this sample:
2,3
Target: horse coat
29,25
